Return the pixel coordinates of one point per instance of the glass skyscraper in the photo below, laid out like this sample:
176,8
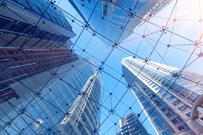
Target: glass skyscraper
51,107
33,24
173,100
130,125
116,19
32,41
44,87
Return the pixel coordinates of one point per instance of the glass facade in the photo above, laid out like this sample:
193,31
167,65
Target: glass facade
171,99
41,78
116,19
130,125
40,23
42,106
45,9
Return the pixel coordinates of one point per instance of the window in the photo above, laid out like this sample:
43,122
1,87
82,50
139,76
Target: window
35,8
185,93
176,102
182,127
192,97
22,3
183,108
146,105
142,98
159,123
178,89
189,114
167,132
170,98
170,113
3,22
176,120
173,86
152,112
161,91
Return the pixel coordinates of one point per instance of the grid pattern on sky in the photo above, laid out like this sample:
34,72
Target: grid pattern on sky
172,37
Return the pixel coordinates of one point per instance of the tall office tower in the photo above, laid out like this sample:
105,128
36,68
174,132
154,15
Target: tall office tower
116,19
130,125
33,24
34,37
40,77
173,100
62,101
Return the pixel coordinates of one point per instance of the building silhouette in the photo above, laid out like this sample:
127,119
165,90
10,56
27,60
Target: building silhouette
171,98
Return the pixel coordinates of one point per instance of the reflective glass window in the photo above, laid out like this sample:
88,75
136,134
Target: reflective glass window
170,98
192,97
159,123
176,120
185,93
176,102
189,114
182,127
167,132
183,108
170,113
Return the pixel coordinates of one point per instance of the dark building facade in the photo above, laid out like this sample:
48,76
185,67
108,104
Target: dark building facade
117,19
172,99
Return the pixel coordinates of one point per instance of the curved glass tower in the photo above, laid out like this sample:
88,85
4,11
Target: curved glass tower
173,100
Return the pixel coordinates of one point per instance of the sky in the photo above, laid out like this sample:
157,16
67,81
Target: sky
182,34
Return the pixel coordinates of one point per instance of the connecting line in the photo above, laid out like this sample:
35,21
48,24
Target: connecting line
141,41
80,102
118,120
164,55
151,22
162,58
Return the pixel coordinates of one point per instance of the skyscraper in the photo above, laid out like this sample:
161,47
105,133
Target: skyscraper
171,98
130,125
46,104
33,24
35,37
116,19
41,79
